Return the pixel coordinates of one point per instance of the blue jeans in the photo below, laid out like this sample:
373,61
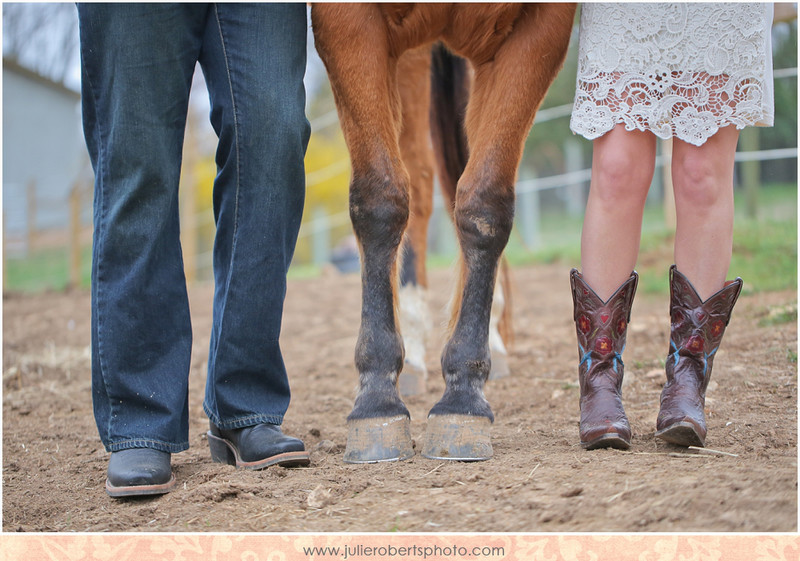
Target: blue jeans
137,63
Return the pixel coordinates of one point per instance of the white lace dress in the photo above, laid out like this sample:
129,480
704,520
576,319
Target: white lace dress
676,69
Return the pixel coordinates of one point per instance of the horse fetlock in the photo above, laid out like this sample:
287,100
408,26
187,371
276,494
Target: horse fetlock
378,397
462,363
463,399
379,353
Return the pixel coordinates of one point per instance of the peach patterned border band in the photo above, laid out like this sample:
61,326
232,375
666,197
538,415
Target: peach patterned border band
477,547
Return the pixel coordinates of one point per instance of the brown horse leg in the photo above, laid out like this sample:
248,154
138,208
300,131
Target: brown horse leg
451,85
351,40
506,93
413,81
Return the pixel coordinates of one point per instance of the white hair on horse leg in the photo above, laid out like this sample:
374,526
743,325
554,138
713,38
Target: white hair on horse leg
415,323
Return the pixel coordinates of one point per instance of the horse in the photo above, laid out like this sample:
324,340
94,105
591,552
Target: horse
433,85
515,51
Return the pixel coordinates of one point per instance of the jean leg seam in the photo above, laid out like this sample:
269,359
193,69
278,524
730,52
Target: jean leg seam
238,182
101,227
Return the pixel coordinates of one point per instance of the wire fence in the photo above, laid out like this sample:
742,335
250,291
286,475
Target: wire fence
36,222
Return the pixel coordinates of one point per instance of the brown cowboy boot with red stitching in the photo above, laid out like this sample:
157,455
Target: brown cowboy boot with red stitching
697,329
601,328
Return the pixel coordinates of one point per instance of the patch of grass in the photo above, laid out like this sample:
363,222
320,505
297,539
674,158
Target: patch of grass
779,315
303,271
46,269
764,255
764,252
791,354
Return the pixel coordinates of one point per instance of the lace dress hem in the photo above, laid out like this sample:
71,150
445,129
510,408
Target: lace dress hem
677,70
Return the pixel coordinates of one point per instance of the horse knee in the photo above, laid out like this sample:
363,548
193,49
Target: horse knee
379,209
484,220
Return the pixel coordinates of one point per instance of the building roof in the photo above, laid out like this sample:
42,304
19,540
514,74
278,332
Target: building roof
12,65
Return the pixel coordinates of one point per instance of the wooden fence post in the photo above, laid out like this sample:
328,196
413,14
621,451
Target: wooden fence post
573,159
751,171
75,236
670,218
529,218
5,260
320,237
30,219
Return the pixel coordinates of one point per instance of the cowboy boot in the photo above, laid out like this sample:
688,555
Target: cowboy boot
601,328
697,329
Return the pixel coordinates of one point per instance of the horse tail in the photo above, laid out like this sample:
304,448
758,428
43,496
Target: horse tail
449,95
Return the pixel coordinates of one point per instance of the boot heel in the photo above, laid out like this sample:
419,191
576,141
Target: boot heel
220,452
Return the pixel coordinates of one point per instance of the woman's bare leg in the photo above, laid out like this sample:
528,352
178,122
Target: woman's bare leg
702,178
622,169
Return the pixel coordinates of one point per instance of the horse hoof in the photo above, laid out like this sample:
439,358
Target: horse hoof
412,380
457,437
381,439
500,368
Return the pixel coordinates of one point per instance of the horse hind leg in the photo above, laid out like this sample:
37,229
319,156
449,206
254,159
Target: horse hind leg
413,80
500,330
366,100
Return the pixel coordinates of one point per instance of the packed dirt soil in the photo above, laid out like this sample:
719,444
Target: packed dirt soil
539,479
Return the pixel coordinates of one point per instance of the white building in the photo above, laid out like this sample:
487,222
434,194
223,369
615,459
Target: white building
43,146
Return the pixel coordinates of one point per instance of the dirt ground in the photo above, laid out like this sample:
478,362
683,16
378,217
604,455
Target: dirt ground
539,480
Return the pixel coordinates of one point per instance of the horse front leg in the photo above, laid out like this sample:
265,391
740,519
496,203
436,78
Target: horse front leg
458,425
369,112
505,95
378,426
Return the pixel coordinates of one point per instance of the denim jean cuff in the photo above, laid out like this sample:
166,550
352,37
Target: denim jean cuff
147,443
241,422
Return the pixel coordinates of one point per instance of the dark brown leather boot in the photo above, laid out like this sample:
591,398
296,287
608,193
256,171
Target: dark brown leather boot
601,328
697,329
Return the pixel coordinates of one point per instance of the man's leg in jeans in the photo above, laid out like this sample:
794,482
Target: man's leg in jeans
254,59
138,61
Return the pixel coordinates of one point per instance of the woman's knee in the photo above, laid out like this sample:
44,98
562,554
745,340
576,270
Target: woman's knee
702,176
622,167
618,178
699,181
